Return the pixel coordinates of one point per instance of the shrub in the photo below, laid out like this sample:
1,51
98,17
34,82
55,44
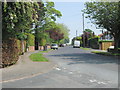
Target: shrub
93,43
30,40
10,52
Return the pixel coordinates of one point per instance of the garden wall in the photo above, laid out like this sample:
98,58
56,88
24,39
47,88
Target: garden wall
104,45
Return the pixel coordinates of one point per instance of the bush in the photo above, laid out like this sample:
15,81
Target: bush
42,42
93,43
30,39
10,52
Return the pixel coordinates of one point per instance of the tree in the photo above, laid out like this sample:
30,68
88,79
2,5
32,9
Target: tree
56,35
17,18
64,29
48,14
86,35
106,15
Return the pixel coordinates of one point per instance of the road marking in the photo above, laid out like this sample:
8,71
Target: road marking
20,78
70,72
101,83
64,68
33,75
58,69
92,81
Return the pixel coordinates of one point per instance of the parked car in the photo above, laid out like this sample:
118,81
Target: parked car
110,49
54,46
62,45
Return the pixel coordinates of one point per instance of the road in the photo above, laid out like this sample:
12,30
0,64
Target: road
75,68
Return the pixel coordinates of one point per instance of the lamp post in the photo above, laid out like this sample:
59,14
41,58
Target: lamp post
83,31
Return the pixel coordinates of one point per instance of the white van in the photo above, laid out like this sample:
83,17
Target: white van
76,44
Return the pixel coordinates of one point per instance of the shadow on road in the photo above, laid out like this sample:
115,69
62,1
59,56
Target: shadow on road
77,58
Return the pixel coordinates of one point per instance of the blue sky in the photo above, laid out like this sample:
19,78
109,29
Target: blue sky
72,17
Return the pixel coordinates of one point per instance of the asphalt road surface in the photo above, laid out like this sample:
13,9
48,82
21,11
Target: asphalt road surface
75,68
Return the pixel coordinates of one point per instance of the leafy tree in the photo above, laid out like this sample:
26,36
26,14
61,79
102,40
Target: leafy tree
56,35
64,29
16,17
105,15
47,21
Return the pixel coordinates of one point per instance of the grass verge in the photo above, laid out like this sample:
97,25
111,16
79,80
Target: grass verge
106,53
85,48
38,57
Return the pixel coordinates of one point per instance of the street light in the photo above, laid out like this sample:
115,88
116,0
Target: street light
83,31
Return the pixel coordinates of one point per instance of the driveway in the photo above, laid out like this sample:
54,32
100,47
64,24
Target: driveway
76,68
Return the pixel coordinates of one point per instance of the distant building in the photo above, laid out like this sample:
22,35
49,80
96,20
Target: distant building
106,36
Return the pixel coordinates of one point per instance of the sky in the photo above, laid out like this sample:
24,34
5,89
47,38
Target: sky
73,19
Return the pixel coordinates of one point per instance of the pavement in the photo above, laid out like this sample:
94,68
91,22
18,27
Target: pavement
25,68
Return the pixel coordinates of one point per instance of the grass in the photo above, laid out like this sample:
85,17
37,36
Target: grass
85,48
38,57
106,53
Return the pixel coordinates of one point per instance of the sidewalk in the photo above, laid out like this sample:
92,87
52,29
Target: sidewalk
99,50
25,68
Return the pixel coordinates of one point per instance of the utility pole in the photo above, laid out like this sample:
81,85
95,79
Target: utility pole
83,32
76,33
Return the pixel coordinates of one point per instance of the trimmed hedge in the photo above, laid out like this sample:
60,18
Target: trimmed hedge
105,40
10,52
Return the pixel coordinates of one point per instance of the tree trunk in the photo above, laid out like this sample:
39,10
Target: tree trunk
36,44
23,47
36,40
116,44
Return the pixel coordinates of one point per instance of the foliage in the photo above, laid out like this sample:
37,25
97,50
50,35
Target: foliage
56,29
17,16
64,29
105,15
30,39
10,52
105,40
85,48
42,42
46,22
56,35
94,42
88,30
21,36
87,34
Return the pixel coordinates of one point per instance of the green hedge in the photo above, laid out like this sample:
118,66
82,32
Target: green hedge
93,43
31,40
105,40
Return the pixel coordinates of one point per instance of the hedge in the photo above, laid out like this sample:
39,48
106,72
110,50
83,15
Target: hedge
93,43
31,39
